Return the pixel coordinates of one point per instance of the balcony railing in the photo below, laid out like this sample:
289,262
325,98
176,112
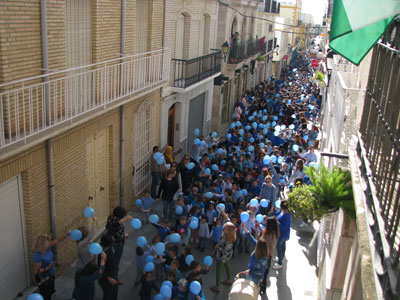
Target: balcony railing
34,105
191,71
263,48
252,47
237,53
379,153
270,44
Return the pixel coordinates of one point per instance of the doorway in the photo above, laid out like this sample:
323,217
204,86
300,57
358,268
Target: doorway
171,126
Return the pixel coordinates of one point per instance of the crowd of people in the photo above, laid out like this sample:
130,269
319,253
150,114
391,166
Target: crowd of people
225,195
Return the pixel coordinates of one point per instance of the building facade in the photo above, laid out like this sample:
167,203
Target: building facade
249,41
80,86
190,32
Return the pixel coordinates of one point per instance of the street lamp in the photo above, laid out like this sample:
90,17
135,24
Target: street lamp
225,49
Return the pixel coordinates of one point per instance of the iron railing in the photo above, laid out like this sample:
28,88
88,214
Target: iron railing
270,44
253,47
237,53
379,150
33,105
267,7
263,48
191,71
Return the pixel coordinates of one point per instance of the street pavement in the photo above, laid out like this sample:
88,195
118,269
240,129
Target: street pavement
297,280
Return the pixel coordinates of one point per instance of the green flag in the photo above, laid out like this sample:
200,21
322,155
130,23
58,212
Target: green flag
358,24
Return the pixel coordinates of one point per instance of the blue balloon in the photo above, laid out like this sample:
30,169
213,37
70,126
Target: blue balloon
262,145
273,158
278,204
189,259
265,131
154,219
291,126
251,118
219,151
158,297
196,132
251,140
202,143
239,194
280,159
208,195
157,155
175,237
136,223
167,283
150,258
76,235
179,210
214,134
228,136
238,124
268,124
232,125
276,133
88,212
190,166
266,160
223,162
260,218
283,127
160,248
149,267
195,287
264,203
248,127
193,224
161,160
214,167
244,192
196,141
275,118
251,148
221,205
241,132
294,116
253,202
35,297
264,118
255,125
295,148
95,248
141,241
207,171
166,291
305,137
208,260
244,216
138,202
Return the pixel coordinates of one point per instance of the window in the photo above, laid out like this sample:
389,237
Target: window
144,129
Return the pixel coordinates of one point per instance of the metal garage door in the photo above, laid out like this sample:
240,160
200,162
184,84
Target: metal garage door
13,258
196,116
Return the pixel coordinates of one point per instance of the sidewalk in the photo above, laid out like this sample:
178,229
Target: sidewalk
297,280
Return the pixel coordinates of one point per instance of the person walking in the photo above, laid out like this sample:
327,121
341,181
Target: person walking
285,220
115,228
224,252
83,244
168,188
109,279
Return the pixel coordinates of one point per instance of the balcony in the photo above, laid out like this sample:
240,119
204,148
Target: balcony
192,71
35,105
237,53
270,45
253,47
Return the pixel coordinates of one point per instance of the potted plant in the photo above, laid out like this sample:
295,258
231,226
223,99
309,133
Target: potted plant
260,58
320,78
329,191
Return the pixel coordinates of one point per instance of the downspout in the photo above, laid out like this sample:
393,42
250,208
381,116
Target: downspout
122,107
49,150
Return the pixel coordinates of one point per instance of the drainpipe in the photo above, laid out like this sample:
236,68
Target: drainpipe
49,150
122,107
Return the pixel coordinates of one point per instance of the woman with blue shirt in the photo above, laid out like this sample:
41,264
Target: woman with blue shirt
44,265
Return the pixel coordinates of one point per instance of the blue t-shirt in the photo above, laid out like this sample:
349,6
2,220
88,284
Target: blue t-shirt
46,260
147,202
284,220
216,233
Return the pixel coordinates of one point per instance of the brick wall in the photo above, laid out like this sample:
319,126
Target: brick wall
20,44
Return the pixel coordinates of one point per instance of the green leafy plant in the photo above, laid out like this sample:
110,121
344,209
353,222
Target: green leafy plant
260,58
332,188
319,76
303,204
